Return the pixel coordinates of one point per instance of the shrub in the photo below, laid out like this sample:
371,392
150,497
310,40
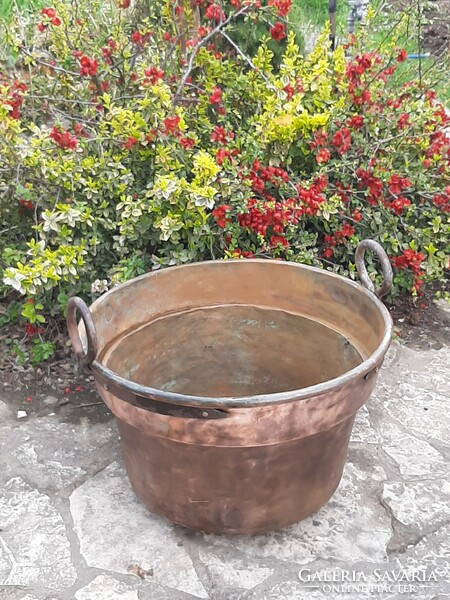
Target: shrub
126,146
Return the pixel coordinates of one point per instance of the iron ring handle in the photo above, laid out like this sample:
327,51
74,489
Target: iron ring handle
85,357
386,268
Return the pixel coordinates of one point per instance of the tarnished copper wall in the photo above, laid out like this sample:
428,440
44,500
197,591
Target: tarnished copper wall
235,385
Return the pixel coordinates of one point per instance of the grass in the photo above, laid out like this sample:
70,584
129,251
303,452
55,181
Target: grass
7,6
383,28
314,14
431,70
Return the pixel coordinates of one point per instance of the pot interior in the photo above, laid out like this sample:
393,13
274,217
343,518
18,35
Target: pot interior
230,350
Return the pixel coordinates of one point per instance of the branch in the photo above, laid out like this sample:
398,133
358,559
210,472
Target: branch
63,100
50,66
202,42
248,60
2,231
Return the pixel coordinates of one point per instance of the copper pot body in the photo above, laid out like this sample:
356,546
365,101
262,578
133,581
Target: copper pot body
235,385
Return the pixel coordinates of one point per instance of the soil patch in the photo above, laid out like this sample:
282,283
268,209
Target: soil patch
435,27
423,323
436,33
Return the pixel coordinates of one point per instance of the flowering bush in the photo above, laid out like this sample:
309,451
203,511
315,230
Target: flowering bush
132,144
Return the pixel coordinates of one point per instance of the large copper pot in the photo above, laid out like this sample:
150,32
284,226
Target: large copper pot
235,384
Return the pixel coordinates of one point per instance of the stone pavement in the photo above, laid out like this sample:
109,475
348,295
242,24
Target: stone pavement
71,528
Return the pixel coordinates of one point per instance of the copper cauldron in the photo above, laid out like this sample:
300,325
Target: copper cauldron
235,384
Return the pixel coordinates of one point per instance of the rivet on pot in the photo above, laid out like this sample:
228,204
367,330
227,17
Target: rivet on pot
108,313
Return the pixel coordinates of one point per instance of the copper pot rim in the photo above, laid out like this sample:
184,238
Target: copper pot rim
370,364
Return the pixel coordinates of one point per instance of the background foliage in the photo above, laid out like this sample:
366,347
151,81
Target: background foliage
137,139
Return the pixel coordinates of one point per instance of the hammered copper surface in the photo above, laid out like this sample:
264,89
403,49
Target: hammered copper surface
250,489
235,385
232,351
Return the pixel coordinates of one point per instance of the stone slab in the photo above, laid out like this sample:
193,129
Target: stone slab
116,531
72,527
34,547
106,588
52,455
421,505
414,457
